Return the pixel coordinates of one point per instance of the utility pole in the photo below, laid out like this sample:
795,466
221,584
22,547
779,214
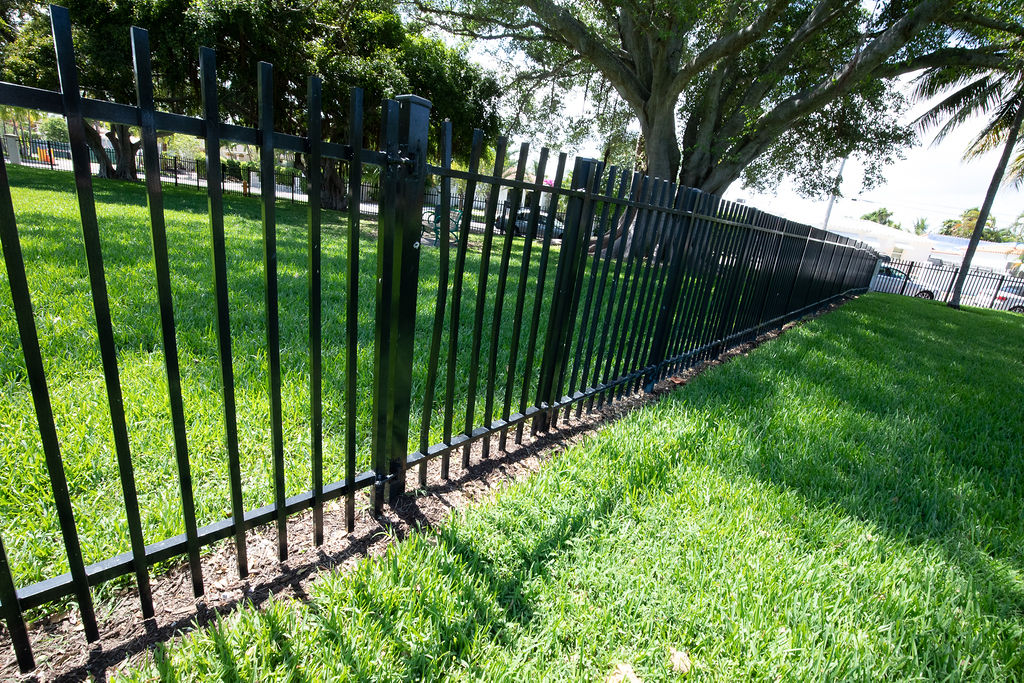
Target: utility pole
832,199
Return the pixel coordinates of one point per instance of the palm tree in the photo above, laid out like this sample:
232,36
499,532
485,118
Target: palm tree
996,94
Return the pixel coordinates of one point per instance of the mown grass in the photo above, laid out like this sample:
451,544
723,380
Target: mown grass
844,503
48,222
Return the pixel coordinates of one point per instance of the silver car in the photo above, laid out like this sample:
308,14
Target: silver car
895,281
1010,297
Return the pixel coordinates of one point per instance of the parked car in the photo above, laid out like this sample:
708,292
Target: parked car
1010,297
892,280
522,223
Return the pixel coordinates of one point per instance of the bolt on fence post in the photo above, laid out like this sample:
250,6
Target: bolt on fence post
564,291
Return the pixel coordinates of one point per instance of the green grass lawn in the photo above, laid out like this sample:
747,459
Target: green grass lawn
48,221
844,503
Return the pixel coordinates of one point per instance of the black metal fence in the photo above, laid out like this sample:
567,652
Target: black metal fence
982,288
637,279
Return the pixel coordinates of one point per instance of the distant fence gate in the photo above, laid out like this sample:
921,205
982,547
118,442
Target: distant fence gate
643,278
982,288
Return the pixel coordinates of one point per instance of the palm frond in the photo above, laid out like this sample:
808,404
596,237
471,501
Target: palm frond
978,96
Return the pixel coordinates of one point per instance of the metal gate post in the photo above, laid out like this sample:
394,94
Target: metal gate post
402,184
952,281
906,277
995,294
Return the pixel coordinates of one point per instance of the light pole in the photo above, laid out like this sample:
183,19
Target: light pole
832,199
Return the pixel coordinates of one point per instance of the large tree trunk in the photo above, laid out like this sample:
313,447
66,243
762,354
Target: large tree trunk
658,127
92,138
124,150
986,208
661,152
334,190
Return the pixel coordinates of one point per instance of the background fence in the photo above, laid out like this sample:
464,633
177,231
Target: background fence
498,332
240,178
982,288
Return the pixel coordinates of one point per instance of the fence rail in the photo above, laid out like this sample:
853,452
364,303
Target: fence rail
543,313
982,288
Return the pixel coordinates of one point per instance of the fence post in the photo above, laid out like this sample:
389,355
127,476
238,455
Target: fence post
952,281
402,184
906,277
13,148
559,324
995,294
175,170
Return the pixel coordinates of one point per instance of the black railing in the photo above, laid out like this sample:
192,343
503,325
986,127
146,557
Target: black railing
982,288
569,297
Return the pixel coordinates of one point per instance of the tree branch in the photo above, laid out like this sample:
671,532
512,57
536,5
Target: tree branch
984,58
987,22
575,33
726,45
773,123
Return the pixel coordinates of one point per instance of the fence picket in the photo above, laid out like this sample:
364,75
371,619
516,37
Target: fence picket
524,276
604,234
385,324
316,409
456,311
68,74
481,299
586,221
355,179
215,200
542,269
499,294
268,204
161,263
442,222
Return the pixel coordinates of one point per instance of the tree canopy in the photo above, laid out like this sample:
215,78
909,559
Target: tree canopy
963,226
359,43
724,90
883,216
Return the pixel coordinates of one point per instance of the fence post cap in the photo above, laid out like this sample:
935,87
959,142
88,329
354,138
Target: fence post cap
415,99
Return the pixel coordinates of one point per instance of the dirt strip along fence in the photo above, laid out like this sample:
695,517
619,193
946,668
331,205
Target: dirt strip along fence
644,279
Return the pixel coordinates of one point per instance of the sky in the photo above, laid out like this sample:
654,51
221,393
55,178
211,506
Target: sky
933,182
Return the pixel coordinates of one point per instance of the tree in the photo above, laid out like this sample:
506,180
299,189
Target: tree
965,224
998,94
921,226
883,216
774,86
995,92
1017,228
360,43
103,50
54,128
